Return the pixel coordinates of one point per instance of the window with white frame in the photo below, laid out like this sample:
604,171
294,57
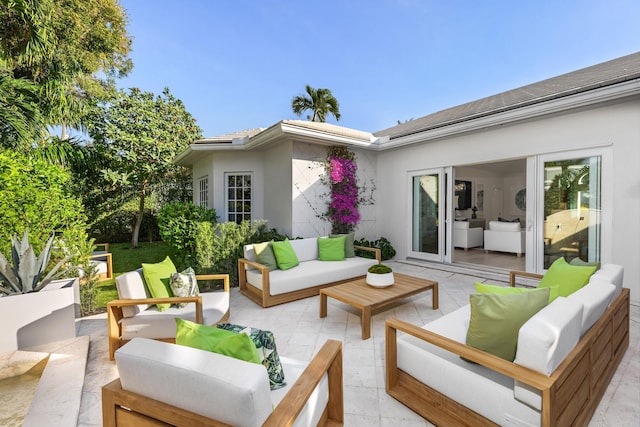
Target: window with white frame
203,191
238,197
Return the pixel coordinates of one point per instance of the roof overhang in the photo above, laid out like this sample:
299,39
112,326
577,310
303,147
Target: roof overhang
572,102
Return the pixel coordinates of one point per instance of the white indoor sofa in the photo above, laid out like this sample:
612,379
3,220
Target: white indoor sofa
269,288
504,237
169,384
465,236
566,355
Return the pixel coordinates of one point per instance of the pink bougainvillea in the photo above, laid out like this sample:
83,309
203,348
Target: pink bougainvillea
343,208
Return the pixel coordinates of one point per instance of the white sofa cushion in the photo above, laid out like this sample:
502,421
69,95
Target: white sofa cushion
474,386
595,298
130,285
461,225
504,226
609,273
306,249
311,273
152,323
192,379
544,341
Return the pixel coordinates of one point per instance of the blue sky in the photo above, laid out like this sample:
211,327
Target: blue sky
237,64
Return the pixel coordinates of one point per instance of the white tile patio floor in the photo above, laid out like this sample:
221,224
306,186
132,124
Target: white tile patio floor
300,333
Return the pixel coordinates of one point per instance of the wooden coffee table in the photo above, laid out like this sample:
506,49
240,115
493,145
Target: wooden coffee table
367,299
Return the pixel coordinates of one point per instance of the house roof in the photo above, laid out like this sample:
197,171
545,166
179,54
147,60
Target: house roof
605,74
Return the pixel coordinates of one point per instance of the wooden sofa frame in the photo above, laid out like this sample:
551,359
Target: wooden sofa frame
114,312
570,395
263,296
124,408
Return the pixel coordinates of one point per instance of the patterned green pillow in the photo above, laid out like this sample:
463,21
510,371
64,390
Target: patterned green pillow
184,285
266,345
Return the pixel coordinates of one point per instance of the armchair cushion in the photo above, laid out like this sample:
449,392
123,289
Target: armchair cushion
265,343
216,340
157,277
184,285
131,286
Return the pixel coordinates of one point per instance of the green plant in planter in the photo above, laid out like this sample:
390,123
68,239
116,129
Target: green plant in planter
26,274
379,269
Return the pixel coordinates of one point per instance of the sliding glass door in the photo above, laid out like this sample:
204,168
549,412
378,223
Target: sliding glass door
428,214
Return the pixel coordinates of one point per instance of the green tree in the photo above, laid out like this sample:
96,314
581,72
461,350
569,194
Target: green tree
62,53
320,101
36,196
139,134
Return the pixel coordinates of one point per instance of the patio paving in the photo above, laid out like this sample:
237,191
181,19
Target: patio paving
300,332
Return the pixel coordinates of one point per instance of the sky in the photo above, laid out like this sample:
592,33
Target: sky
237,64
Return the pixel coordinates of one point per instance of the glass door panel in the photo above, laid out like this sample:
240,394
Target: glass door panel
427,214
572,215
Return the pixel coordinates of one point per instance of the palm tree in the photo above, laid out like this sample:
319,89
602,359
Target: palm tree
320,101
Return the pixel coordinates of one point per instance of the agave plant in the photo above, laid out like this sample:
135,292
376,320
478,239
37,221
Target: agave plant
26,273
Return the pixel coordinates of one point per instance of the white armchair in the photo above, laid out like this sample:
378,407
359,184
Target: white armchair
466,237
504,237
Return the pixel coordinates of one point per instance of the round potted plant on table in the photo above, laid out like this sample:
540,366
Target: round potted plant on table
380,276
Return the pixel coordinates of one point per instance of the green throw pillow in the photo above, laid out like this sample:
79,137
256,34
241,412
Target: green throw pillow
215,340
184,285
510,290
580,263
266,345
265,256
285,255
496,319
569,278
349,250
157,277
331,249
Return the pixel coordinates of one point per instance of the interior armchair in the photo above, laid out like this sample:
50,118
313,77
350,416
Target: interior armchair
103,261
465,236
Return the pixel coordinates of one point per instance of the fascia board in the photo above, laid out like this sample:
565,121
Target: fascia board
579,100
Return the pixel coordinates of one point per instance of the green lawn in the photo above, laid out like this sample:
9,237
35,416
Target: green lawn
126,259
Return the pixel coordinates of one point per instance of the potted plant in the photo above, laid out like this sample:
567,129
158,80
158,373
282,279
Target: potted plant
380,276
34,307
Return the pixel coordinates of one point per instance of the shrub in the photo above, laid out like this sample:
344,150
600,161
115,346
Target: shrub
379,269
386,250
179,223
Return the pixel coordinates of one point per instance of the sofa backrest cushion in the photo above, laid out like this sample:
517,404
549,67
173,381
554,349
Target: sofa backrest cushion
609,273
130,285
595,297
549,335
461,225
219,387
504,226
306,249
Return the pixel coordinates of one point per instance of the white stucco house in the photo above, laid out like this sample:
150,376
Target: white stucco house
561,156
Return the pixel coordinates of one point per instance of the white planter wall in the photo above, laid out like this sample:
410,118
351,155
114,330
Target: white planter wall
38,318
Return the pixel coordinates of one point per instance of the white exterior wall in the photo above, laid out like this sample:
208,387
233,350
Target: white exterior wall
277,188
311,196
215,165
615,126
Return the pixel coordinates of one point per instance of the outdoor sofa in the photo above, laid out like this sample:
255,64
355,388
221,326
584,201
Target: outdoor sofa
169,384
268,288
566,356
135,313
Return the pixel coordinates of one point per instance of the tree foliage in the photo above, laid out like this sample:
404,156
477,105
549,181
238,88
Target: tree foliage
36,196
139,134
320,101
56,57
